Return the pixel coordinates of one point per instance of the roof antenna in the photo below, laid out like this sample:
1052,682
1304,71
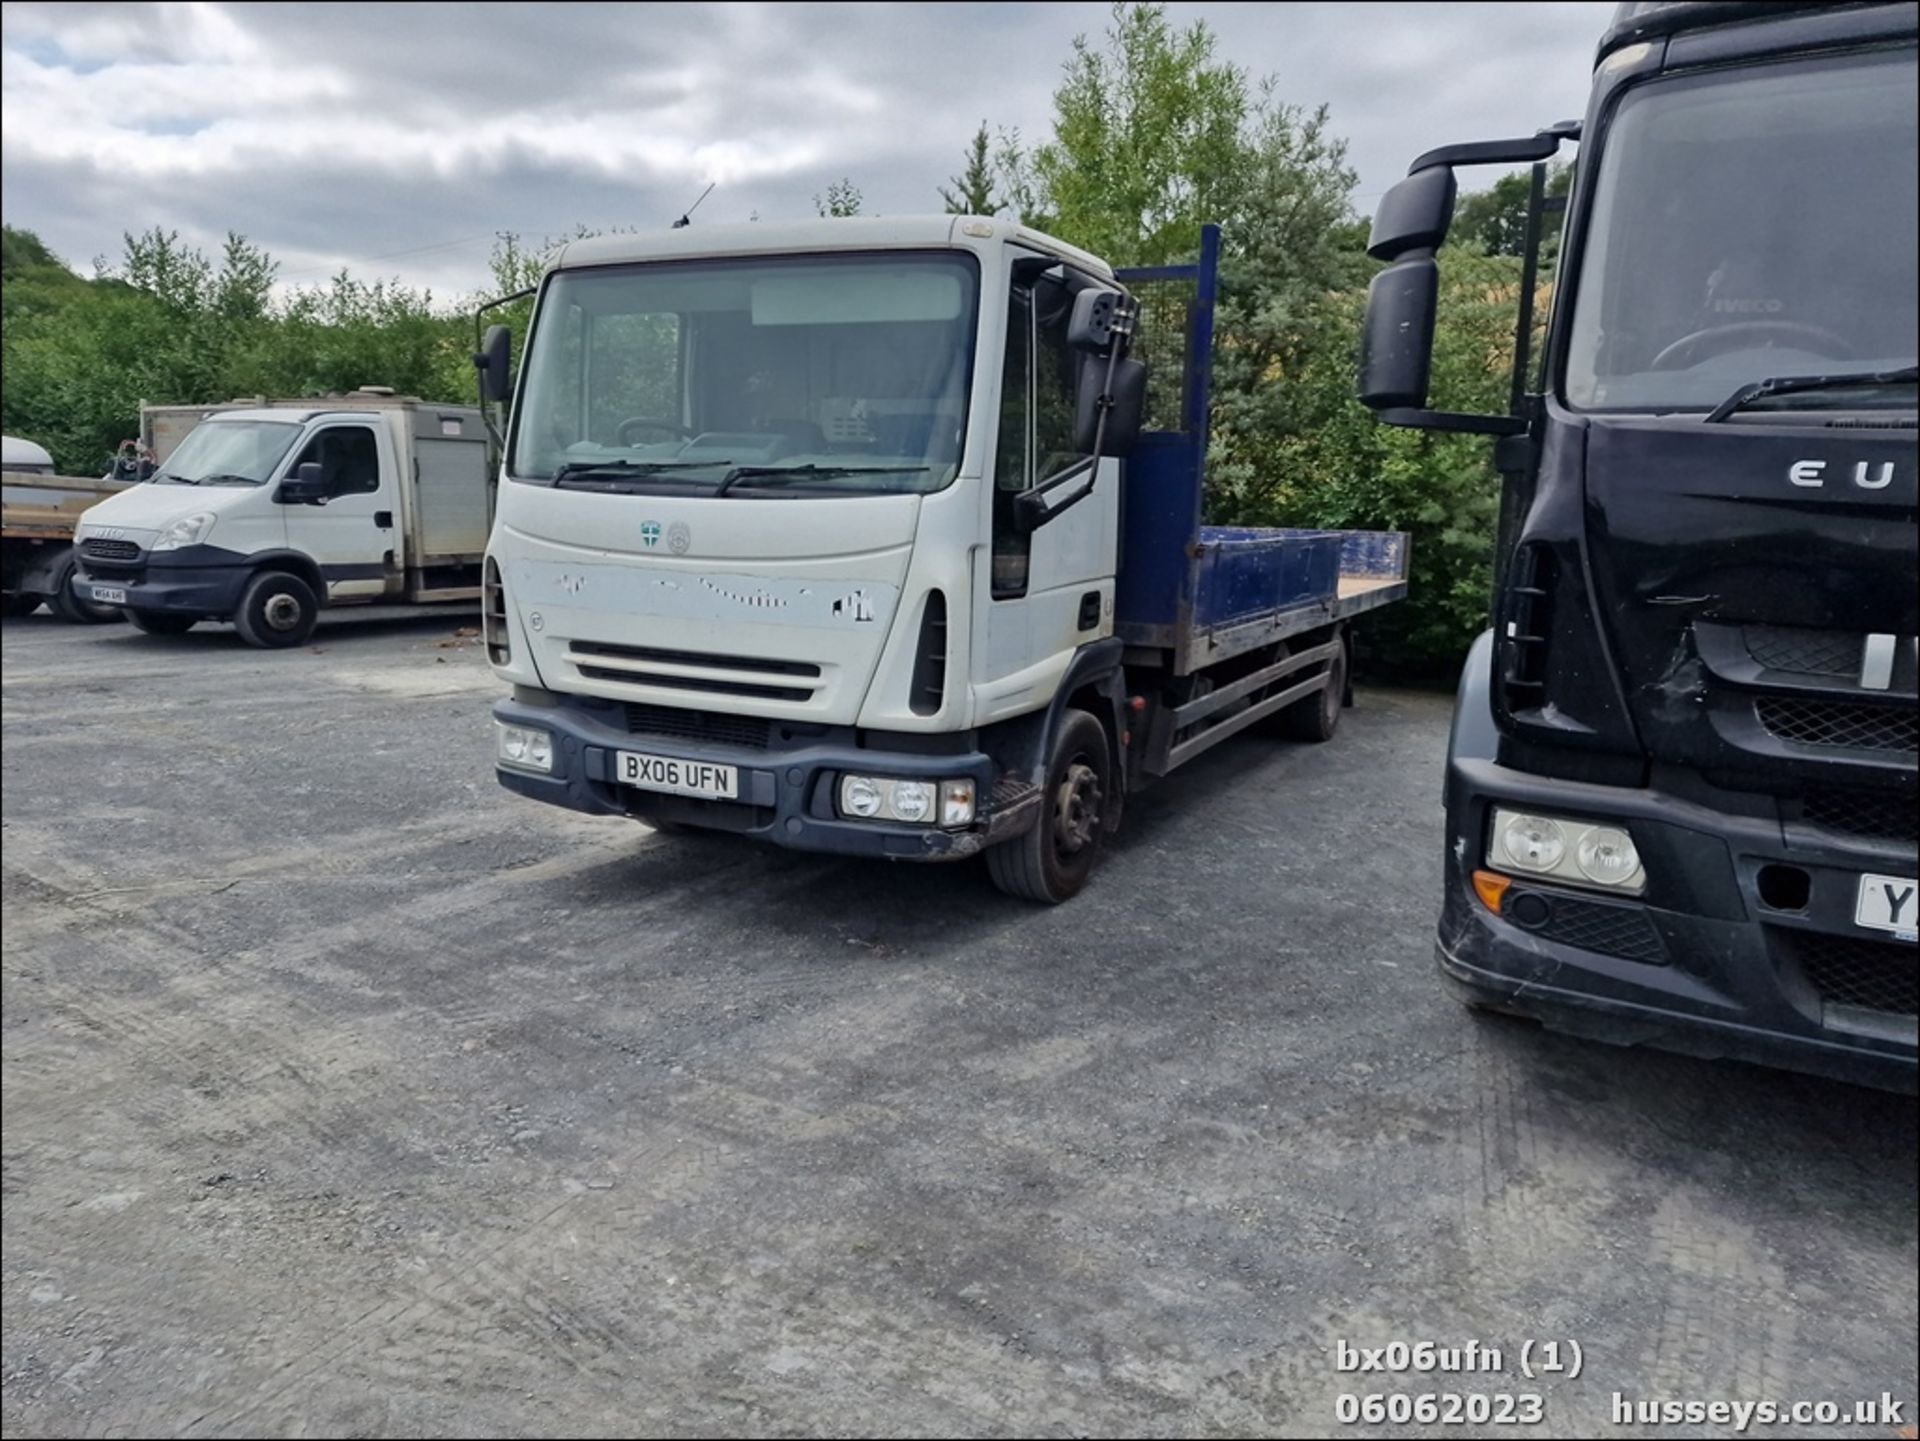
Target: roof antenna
685,220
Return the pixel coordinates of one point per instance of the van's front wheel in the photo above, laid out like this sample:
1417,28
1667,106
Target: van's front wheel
276,610
1052,862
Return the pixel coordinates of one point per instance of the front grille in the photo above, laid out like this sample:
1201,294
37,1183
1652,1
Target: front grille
1854,971
1611,930
708,727
660,656
1805,652
633,665
97,548
1855,811
1839,725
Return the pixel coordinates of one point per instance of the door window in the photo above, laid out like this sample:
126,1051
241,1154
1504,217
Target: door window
1037,397
348,457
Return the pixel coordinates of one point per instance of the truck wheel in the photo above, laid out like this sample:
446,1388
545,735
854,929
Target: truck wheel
1317,717
160,622
69,606
1052,862
19,605
276,610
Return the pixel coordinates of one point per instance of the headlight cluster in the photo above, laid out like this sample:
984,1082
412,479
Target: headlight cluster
1589,853
187,530
917,802
525,748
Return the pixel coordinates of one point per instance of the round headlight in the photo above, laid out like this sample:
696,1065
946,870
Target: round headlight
1607,855
540,750
912,800
513,744
1533,843
860,797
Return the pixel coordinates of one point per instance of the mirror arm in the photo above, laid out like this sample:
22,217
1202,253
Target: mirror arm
1456,421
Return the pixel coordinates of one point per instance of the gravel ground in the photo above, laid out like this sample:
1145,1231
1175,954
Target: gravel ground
346,1094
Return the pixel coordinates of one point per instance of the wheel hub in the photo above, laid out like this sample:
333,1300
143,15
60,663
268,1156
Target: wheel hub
282,612
1077,807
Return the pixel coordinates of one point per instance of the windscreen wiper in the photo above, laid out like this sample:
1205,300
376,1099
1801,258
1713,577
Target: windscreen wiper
624,469
226,477
810,472
1790,384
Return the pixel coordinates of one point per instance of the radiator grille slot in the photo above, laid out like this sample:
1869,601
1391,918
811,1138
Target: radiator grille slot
493,615
96,548
705,685
732,674
1832,653
930,663
1529,623
707,727
1839,725
1854,971
1857,811
661,656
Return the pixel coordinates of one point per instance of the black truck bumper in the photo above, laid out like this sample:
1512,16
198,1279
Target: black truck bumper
1709,962
199,590
788,788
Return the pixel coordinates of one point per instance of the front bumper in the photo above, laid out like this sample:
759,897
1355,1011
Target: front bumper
1702,964
787,789
201,590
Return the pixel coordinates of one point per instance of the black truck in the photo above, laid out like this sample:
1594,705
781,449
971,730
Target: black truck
1681,786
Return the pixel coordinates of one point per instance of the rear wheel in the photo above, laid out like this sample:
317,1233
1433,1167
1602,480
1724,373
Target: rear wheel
277,609
68,604
1052,862
1316,717
160,622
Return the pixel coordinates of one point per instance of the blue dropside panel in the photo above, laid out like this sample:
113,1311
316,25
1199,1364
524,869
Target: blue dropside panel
1244,573
1380,553
1161,510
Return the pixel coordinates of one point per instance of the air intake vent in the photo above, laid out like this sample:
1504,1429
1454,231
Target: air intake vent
1529,621
493,615
1833,653
703,727
1853,971
95,548
930,662
1840,725
756,677
1857,811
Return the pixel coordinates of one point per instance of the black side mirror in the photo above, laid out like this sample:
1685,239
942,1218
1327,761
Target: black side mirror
1123,420
1396,341
492,361
303,487
1415,215
1090,328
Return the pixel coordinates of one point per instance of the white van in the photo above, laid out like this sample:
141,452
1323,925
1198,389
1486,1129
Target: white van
266,511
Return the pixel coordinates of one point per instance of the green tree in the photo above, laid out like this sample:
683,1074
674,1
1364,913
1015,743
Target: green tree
1494,221
973,188
842,198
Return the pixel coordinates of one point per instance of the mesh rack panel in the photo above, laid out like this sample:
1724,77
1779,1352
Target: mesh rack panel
1160,339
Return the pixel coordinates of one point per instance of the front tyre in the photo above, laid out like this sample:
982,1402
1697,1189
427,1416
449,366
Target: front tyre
1051,862
277,610
69,605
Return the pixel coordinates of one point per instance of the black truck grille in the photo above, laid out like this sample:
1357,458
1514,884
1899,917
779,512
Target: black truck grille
97,548
1612,930
1854,971
708,727
1833,653
1856,811
1839,725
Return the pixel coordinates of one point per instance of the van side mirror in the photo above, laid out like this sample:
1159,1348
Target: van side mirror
1090,328
1123,419
492,361
1396,340
1414,215
304,487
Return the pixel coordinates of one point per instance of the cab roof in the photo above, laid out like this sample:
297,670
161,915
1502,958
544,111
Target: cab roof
891,232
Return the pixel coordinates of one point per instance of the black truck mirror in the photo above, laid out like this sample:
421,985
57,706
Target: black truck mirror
1396,341
1091,326
492,361
1414,215
1123,419
304,487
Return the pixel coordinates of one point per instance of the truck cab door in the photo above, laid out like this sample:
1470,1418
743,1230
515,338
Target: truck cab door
1051,589
353,537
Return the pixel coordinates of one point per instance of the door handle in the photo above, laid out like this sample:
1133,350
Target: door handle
383,519
1090,610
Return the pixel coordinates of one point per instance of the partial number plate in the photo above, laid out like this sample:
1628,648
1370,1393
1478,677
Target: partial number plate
676,777
1888,903
109,594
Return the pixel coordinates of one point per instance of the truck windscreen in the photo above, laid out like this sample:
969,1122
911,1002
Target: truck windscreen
1750,223
849,372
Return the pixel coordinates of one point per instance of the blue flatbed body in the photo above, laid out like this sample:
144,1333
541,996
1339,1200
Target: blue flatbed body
1201,593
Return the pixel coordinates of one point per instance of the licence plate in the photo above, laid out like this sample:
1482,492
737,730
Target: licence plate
677,777
109,594
1888,903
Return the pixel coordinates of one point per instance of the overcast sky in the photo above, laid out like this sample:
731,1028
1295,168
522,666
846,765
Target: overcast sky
397,139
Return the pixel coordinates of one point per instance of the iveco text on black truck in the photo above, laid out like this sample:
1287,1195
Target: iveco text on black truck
1680,790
